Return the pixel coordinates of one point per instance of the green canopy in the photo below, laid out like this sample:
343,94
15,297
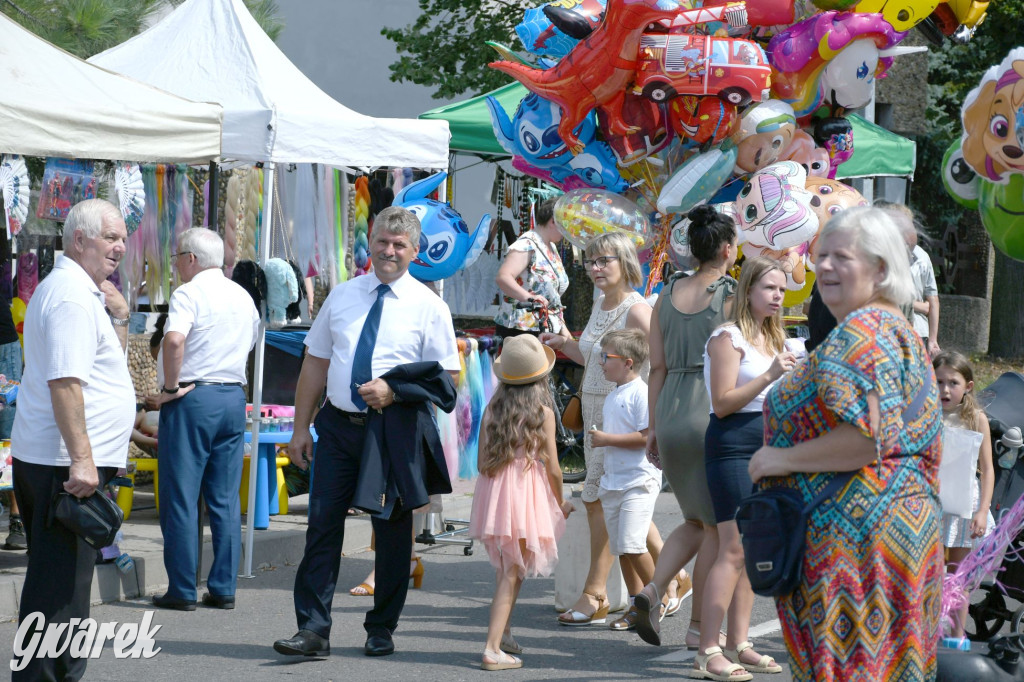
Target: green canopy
876,150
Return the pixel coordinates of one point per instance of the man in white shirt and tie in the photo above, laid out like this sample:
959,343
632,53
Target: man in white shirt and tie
212,324
366,327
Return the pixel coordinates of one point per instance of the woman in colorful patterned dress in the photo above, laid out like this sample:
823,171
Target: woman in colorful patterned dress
867,607
532,270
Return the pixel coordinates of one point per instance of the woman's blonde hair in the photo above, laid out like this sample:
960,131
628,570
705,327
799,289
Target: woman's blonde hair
514,418
879,239
774,333
621,246
969,407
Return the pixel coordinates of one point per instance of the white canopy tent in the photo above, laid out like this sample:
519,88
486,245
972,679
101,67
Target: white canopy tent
55,104
214,50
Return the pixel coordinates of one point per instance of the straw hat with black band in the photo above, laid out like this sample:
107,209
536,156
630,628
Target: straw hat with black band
523,360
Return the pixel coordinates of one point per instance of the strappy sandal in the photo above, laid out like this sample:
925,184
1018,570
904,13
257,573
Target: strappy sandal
684,588
647,626
510,646
695,632
627,622
701,672
766,664
499,660
574,617
362,590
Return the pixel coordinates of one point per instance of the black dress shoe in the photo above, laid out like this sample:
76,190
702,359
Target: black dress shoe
379,644
304,643
165,601
219,602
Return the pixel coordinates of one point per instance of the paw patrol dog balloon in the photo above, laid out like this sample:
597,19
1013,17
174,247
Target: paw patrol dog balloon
446,244
993,118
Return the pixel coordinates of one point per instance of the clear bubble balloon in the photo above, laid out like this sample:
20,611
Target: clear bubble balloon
583,214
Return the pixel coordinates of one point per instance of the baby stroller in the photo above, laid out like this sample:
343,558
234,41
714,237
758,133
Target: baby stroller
1004,404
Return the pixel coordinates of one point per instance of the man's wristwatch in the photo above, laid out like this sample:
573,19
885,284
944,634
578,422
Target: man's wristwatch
172,391
120,321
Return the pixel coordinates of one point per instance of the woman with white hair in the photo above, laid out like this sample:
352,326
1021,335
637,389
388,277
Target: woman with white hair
867,605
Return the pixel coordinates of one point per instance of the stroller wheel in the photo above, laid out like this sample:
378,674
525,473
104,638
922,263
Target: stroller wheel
989,613
1015,626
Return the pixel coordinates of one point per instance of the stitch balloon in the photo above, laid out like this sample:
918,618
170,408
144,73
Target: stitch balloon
583,214
446,244
531,136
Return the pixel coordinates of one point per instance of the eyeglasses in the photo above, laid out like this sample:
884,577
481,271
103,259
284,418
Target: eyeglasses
601,262
605,356
183,253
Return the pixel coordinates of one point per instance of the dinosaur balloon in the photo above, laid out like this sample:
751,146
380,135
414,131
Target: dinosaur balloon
597,70
446,244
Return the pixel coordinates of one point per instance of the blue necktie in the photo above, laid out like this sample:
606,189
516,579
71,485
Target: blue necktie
362,362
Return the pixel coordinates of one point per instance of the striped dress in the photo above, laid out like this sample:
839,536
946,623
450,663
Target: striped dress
867,607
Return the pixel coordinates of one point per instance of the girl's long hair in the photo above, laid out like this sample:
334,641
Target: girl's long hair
969,407
515,417
774,333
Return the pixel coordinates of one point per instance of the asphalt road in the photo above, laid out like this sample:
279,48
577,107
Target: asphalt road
441,635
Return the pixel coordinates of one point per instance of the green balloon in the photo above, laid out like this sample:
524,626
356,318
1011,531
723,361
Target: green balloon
1002,214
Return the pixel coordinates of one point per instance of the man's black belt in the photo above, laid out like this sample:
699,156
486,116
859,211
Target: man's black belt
357,418
211,383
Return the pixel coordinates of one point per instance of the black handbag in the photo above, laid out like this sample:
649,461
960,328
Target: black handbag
773,524
96,519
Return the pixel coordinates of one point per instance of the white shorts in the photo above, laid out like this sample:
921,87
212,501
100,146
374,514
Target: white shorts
628,514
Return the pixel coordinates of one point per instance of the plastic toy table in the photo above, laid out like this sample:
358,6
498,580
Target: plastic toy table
266,495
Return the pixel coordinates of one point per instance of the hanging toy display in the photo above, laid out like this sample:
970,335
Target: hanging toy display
14,184
131,193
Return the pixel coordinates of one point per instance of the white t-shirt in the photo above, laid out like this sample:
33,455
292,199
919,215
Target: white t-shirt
69,334
220,325
924,285
625,411
415,326
753,363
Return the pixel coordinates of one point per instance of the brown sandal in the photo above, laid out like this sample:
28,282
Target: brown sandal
574,617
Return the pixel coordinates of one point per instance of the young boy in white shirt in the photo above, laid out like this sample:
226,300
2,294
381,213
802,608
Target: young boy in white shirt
630,485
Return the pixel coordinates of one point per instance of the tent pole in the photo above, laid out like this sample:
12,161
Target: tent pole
214,196
257,374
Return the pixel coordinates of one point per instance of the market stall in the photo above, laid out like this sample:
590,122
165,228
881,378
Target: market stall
214,50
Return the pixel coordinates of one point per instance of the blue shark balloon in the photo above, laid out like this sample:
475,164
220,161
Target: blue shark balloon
531,136
446,244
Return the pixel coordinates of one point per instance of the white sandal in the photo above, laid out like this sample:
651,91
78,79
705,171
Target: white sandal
701,671
766,664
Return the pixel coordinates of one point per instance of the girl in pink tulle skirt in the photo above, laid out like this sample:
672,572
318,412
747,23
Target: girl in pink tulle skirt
518,510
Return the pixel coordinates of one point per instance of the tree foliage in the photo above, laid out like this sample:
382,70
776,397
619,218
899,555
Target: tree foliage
446,45
87,27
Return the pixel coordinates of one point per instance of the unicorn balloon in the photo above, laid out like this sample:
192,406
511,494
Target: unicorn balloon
446,244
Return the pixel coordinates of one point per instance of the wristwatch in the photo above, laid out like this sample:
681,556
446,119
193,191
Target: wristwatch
172,391
120,321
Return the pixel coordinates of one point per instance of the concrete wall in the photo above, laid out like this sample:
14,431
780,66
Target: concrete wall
964,323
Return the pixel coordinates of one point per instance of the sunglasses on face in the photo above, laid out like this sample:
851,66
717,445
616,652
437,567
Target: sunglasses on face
605,356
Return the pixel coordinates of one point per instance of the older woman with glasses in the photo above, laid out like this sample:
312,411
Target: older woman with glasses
612,263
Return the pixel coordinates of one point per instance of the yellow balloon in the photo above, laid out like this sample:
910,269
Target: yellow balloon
18,307
793,298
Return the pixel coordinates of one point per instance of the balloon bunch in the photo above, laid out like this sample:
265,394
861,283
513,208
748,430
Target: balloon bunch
642,109
361,242
985,168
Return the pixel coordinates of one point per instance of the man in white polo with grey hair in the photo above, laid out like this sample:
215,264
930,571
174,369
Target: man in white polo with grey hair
212,325
76,407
